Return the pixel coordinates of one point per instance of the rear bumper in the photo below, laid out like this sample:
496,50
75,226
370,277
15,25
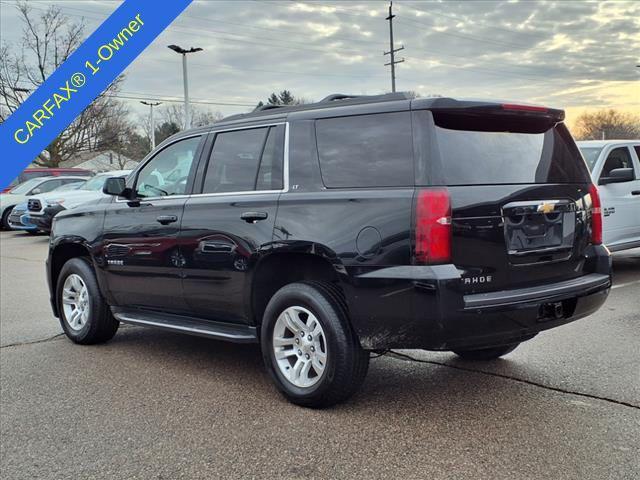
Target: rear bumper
424,307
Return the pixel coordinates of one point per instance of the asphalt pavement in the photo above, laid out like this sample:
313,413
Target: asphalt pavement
158,405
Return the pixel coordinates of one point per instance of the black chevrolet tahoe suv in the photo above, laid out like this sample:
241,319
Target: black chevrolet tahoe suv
328,231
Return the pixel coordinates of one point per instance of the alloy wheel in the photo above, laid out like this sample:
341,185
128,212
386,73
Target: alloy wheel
75,302
299,346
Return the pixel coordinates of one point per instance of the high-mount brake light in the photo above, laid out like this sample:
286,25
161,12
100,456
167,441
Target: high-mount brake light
524,108
596,215
433,226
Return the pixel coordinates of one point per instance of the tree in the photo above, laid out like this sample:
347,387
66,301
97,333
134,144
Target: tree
283,98
136,146
200,117
607,124
47,41
165,130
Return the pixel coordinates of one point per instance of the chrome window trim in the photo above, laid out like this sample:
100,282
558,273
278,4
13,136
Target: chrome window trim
285,167
285,164
143,164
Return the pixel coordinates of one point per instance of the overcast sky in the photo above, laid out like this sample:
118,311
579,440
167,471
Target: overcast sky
567,54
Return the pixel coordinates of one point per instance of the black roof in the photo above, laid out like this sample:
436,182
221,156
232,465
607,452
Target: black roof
401,101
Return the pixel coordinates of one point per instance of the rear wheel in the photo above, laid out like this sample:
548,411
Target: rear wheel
84,315
308,346
486,353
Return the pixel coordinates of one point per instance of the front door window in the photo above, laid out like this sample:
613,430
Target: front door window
166,174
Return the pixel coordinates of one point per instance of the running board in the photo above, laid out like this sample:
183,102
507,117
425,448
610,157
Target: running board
190,325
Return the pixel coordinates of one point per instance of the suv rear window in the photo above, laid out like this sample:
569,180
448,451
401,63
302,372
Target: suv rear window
474,157
366,150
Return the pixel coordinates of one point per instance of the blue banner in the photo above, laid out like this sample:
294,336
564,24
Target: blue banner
79,80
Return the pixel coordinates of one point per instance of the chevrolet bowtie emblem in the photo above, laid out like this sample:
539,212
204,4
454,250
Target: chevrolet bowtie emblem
546,207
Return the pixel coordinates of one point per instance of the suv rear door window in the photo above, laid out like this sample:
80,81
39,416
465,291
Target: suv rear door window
366,150
246,160
476,157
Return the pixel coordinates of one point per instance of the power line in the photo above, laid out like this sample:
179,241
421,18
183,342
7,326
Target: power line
208,33
458,19
321,50
340,11
175,100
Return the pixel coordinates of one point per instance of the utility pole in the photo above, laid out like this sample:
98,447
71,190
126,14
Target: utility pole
183,52
153,123
392,51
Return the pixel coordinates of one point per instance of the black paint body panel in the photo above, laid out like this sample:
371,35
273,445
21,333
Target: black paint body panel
204,265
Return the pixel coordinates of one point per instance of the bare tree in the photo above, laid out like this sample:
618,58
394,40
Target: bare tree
607,124
48,39
200,117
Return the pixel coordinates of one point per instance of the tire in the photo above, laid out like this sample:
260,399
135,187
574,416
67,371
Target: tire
4,221
345,362
486,353
97,325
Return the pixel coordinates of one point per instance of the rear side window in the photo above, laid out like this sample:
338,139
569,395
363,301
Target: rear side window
474,157
245,160
49,185
366,150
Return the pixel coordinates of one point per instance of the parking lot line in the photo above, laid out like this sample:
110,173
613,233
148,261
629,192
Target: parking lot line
626,284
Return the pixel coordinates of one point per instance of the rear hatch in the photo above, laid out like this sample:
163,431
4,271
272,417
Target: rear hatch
518,189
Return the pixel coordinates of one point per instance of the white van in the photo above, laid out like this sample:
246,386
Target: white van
615,168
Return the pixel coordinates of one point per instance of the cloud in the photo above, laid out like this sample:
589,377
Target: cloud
563,53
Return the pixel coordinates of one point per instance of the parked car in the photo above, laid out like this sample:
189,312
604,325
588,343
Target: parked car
327,231
18,218
615,168
35,186
30,173
42,208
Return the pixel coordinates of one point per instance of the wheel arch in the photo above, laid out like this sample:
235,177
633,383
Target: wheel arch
61,254
278,269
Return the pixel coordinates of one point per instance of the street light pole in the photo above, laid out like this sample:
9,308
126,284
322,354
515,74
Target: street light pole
183,52
153,123
187,108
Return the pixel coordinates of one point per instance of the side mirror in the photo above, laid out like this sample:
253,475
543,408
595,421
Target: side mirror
36,191
116,186
618,175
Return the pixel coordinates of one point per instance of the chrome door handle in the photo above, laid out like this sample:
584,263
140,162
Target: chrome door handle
167,219
253,217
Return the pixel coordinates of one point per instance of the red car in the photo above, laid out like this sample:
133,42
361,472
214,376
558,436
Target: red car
30,173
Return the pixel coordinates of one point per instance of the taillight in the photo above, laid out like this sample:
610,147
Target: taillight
596,215
433,226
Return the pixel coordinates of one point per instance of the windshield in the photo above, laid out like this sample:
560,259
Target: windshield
591,155
95,183
26,186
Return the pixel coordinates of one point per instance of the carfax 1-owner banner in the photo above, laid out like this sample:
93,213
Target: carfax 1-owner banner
79,80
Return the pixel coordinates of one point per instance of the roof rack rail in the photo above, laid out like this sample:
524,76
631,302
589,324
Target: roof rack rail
384,96
269,106
337,96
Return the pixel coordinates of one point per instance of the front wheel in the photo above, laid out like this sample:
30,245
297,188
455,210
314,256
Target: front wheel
84,315
486,353
4,219
308,346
